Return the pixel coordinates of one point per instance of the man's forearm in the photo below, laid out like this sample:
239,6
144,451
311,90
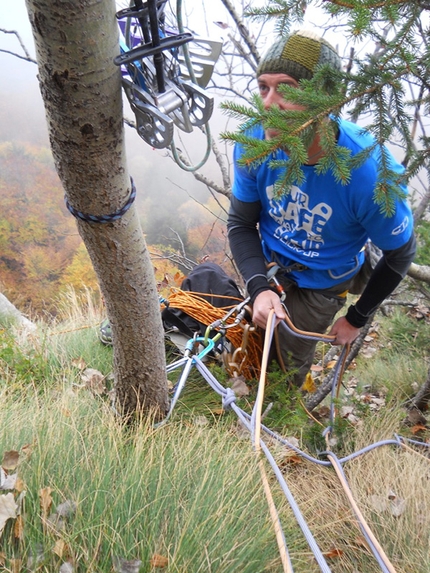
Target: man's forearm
386,276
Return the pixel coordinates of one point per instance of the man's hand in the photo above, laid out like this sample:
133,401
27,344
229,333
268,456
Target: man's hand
345,333
263,304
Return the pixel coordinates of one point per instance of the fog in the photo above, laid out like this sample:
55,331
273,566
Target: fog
22,120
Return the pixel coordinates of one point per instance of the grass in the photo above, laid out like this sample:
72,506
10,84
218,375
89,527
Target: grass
189,494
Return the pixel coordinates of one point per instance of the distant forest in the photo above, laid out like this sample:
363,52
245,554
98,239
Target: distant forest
42,254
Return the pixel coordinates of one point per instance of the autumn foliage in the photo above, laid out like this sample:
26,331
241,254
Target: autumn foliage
41,252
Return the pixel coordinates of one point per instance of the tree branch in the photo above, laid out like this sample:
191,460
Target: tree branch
27,56
243,31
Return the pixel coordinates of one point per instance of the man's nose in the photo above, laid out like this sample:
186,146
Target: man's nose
272,98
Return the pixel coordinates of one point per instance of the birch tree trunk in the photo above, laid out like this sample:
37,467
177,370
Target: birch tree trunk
81,88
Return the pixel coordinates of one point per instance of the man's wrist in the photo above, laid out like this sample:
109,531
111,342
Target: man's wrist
256,285
355,318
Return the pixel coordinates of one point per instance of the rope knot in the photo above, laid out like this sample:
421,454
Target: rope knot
228,399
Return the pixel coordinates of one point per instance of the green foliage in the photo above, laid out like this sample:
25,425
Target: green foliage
281,12
21,366
423,243
408,336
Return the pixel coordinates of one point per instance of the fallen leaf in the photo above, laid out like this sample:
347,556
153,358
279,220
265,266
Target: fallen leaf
332,364
293,459
333,553
240,432
45,500
159,561
316,368
309,384
10,460
18,528
397,507
61,548
94,380
79,363
66,568
66,509
27,450
345,411
239,386
20,485
8,481
418,428
8,509
123,566
218,412
322,412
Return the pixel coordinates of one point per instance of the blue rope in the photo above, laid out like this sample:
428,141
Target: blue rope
103,218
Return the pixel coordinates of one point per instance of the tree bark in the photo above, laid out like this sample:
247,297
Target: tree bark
81,89
419,272
421,400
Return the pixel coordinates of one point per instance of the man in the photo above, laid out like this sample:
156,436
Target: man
316,233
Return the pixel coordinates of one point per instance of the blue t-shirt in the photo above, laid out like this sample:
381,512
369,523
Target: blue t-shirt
321,223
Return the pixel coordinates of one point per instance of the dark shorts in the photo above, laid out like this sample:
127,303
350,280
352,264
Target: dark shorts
310,310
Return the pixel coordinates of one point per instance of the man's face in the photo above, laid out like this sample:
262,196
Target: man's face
268,86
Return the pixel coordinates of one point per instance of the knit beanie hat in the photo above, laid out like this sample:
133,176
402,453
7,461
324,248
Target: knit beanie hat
298,56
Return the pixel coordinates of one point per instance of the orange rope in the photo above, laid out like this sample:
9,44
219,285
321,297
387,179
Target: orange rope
197,307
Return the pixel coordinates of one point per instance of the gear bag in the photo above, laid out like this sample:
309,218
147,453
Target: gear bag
207,280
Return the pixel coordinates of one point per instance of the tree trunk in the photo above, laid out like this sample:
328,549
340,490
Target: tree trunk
9,314
81,88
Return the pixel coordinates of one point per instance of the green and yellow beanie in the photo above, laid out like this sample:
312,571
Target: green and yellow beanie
298,56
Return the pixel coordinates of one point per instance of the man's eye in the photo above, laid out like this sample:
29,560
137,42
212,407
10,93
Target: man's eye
263,89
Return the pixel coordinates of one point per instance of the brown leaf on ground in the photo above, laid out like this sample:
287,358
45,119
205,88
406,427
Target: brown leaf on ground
418,428
61,549
18,528
322,413
94,380
239,386
45,500
27,450
20,485
218,412
79,363
159,561
333,553
10,460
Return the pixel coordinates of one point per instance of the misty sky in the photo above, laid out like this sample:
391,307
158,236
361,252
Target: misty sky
22,117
